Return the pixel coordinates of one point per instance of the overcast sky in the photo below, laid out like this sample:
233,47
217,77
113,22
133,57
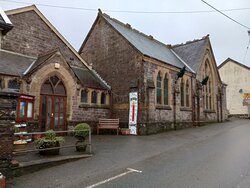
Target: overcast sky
228,38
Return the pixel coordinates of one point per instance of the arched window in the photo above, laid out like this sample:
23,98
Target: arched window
94,97
103,98
53,86
182,92
158,88
84,96
166,82
14,84
187,94
208,89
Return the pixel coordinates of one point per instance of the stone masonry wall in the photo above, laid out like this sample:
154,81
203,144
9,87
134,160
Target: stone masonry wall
32,36
116,61
6,146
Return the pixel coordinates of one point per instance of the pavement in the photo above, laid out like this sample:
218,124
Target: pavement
112,154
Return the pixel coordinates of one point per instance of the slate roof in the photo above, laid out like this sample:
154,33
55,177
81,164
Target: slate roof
14,64
145,44
1,19
89,78
192,52
41,59
5,24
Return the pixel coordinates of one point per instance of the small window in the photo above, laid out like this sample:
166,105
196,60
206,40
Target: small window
14,84
84,96
103,98
94,97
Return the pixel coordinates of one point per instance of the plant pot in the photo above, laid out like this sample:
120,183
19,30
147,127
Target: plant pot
18,147
36,136
81,146
50,151
125,131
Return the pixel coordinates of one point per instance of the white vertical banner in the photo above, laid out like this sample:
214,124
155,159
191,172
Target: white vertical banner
133,109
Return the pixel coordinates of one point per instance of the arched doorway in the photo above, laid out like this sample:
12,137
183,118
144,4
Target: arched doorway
53,99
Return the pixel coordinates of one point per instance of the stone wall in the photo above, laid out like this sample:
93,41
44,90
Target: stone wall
32,36
117,62
6,144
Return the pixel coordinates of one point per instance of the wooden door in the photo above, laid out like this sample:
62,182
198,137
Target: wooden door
53,105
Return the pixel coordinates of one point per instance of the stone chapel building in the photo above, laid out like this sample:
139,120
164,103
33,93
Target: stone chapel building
56,87
132,61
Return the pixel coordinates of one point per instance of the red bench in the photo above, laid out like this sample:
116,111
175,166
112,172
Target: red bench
108,124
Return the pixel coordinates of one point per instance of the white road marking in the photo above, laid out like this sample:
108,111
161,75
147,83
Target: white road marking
130,170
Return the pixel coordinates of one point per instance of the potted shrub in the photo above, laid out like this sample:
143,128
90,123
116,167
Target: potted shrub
50,140
81,131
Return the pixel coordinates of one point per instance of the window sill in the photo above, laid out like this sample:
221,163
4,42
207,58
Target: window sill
163,107
185,109
209,111
105,106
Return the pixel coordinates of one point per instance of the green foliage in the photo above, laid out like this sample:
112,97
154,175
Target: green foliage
49,140
81,131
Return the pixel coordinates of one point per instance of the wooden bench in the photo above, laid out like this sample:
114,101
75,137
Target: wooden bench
108,124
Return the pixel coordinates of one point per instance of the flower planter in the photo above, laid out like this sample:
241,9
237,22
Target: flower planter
51,151
125,131
19,145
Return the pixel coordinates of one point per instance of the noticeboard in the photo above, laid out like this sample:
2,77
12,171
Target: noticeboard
133,109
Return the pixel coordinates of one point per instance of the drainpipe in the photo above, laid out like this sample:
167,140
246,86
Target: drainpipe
174,100
111,104
221,115
193,102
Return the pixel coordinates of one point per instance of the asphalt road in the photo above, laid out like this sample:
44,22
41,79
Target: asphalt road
213,156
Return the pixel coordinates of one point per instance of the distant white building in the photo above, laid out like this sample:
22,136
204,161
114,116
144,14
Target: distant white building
237,78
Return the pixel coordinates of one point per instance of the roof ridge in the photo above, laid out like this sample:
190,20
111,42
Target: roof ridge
128,26
16,53
234,61
190,42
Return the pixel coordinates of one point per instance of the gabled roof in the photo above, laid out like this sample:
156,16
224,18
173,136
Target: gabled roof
5,23
146,45
192,52
14,64
236,62
19,65
41,59
46,21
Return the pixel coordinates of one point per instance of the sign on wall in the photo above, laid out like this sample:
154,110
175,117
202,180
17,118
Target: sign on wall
133,109
246,99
